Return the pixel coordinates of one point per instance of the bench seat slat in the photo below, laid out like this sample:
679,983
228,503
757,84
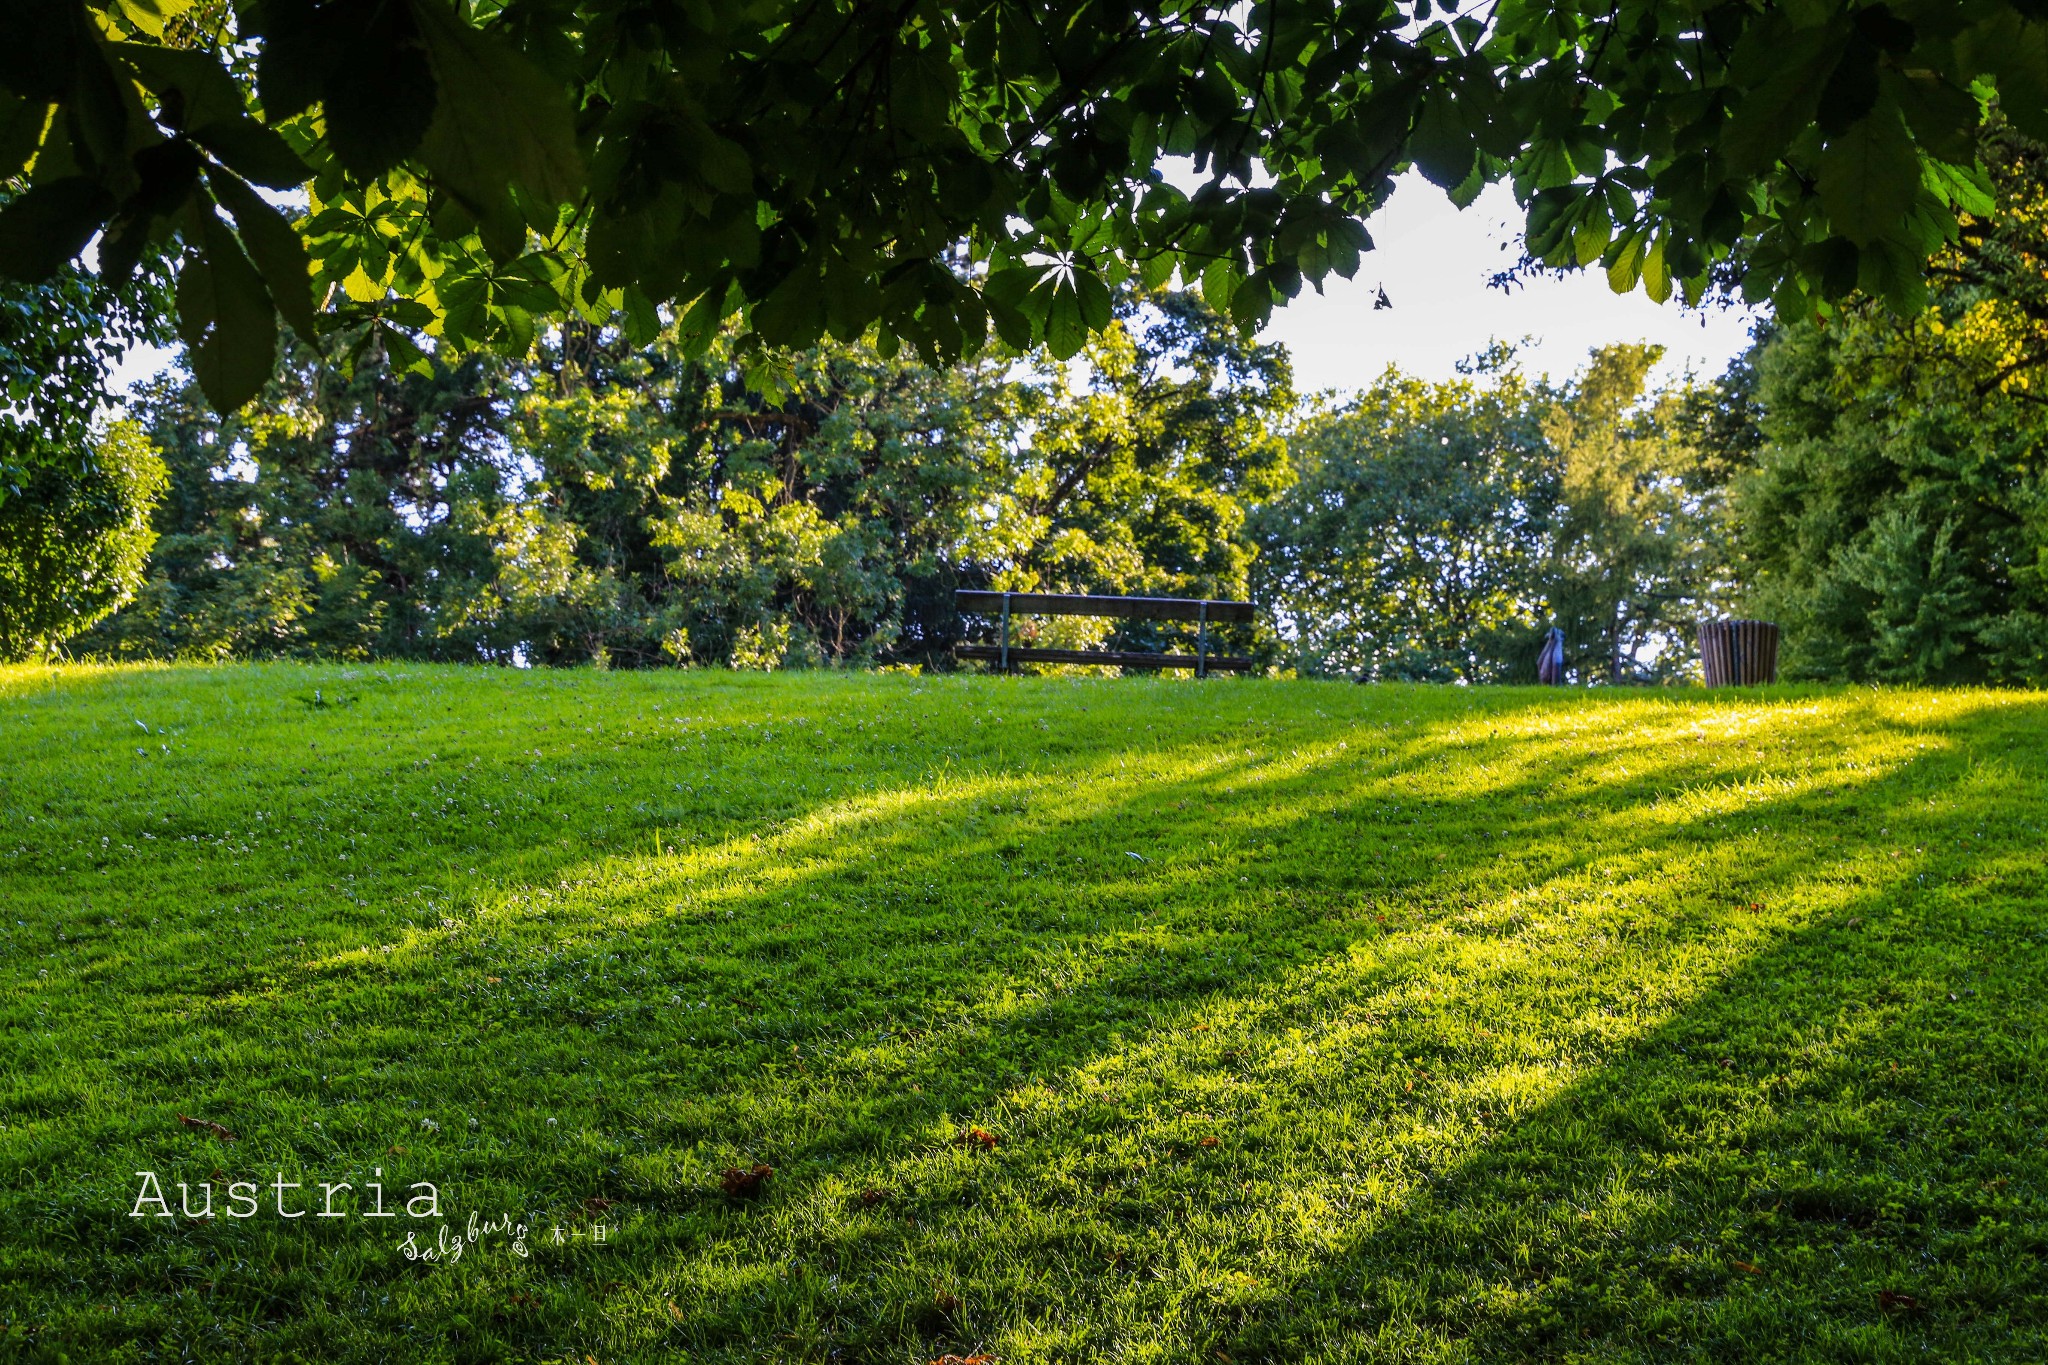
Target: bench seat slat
1108,657
1082,604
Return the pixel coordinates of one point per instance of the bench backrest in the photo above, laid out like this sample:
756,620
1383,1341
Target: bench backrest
1081,604
1200,610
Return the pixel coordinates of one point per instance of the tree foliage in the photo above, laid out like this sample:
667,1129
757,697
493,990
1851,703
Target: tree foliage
948,176
73,541
59,339
601,501
1638,558
1897,517
826,522
646,506
1411,545
1437,531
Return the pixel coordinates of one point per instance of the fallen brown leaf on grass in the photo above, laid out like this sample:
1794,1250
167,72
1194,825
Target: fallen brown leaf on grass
870,1198
1210,1142
976,1359
1746,1268
597,1203
219,1130
977,1137
741,1182
1893,1302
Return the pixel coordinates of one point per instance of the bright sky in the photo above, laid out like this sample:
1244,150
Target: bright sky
1434,262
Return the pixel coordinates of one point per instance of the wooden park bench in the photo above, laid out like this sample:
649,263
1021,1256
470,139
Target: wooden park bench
1202,611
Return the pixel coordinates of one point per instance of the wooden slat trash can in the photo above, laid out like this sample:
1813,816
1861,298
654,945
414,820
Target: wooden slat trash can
1739,652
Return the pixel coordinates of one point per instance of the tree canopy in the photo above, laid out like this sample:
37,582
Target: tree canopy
599,500
75,540
1896,515
950,175
1436,531
59,338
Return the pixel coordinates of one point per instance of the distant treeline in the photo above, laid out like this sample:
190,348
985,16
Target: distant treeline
1874,483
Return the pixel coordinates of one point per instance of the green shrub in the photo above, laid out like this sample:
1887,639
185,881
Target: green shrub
73,541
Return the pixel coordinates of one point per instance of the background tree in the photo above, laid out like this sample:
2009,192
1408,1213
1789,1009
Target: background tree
347,516
1896,520
826,520
1438,530
1137,476
59,340
1412,545
1897,517
605,501
1634,564
643,505
73,540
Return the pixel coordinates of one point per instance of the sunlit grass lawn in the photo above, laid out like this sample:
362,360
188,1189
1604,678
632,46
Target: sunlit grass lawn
1304,1022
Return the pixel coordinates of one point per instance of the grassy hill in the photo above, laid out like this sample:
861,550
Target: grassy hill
1077,1020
